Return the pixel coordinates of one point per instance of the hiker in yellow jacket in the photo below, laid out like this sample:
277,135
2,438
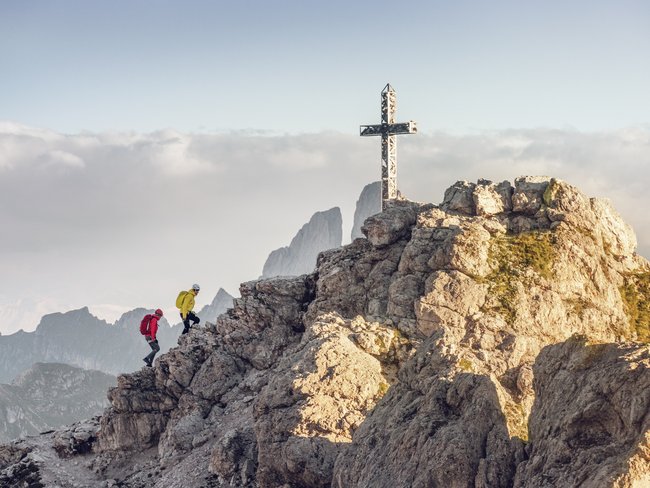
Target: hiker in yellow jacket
186,306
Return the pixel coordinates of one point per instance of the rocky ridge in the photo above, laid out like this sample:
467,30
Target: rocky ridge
498,339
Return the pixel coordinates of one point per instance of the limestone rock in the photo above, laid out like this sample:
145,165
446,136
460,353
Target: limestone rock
589,425
458,198
387,227
528,196
321,395
445,432
77,439
490,199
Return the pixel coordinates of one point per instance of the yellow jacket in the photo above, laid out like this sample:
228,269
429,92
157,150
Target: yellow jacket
188,303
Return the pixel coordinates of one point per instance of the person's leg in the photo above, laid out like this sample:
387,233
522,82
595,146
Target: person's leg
148,358
186,324
154,350
195,320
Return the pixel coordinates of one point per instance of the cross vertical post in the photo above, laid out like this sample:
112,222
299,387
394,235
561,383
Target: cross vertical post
388,129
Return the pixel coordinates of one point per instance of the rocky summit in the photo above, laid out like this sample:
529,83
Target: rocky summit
498,339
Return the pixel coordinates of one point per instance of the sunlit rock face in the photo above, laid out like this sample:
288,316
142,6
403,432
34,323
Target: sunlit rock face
496,339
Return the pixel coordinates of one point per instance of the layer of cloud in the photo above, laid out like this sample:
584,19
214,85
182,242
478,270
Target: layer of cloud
127,219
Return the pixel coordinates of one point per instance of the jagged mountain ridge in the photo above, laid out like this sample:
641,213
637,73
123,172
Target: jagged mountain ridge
80,339
221,302
50,395
436,352
368,204
323,231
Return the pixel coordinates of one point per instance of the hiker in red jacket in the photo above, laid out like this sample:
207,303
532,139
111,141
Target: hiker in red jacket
148,328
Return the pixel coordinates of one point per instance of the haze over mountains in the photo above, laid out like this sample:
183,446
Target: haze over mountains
369,203
323,231
51,395
39,392
80,339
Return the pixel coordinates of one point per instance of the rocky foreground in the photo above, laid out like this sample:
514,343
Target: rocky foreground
499,339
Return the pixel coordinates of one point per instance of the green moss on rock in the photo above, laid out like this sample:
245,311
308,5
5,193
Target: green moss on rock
551,191
383,388
466,365
635,293
512,257
517,420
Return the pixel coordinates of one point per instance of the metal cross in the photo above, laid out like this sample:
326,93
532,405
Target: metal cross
387,130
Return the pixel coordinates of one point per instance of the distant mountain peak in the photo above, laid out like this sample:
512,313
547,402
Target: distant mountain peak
322,232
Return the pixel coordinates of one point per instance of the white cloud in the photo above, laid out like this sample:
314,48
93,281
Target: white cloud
128,219
65,158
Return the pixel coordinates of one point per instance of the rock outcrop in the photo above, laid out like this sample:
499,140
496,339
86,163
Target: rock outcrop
498,339
322,232
590,423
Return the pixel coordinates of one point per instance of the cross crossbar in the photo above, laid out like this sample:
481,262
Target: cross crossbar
389,129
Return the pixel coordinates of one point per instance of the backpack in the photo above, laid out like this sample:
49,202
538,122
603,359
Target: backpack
180,298
144,324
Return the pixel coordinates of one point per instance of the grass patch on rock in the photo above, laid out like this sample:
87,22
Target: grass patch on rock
513,257
552,190
635,293
466,365
517,420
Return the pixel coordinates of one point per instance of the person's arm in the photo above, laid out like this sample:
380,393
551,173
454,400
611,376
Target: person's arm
186,307
153,328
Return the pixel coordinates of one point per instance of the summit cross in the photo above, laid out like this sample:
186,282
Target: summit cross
388,129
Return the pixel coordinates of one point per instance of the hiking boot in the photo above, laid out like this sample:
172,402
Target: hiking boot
147,362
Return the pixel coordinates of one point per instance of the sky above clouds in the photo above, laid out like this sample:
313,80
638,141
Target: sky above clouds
145,146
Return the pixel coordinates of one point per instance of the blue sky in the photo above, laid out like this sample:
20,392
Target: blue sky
307,66
216,129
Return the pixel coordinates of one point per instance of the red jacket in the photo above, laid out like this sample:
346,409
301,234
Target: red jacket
153,327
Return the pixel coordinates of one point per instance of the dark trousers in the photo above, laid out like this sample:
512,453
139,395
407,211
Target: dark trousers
191,317
154,349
